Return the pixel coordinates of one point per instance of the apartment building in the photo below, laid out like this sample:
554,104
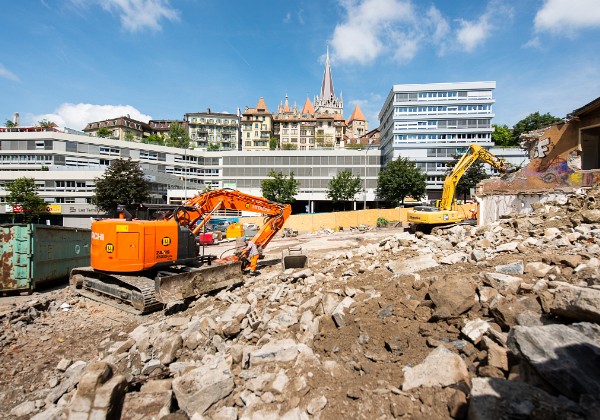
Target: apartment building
430,123
256,127
213,130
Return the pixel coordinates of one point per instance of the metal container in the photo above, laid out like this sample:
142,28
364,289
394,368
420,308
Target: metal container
35,254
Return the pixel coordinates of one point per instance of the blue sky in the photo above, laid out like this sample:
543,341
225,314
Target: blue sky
76,61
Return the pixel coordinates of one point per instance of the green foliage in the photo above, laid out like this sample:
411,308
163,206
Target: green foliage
213,147
502,136
279,188
104,132
122,183
532,122
46,124
400,179
473,176
273,143
355,146
23,192
178,136
343,187
158,139
10,124
129,136
289,146
382,222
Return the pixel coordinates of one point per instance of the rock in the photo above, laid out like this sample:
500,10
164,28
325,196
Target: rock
412,265
24,409
316,404
147,405
565,356
150,366
493,398
440,368
454,293
455,258
504,283
51,413
478,255
538,269
505,310
63,364
284,350
197,390
100,393
591,216
507,247
475,330
73,375
516,267
579,303
169,349
457,403
497,356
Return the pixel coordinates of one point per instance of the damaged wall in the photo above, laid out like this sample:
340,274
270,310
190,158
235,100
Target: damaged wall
562,158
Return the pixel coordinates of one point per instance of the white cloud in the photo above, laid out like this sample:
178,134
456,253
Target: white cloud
396,27
472,34
567,15
7,74
76,116
137,15
361,37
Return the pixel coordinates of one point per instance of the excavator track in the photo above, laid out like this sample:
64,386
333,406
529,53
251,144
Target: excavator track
133,294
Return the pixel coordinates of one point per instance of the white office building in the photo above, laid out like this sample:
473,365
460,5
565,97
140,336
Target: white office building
430,123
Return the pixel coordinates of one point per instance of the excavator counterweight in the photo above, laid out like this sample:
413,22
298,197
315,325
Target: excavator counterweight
141,264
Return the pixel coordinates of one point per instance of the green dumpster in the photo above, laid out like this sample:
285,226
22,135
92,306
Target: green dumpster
35,254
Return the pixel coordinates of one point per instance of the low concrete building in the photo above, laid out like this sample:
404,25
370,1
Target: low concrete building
563,158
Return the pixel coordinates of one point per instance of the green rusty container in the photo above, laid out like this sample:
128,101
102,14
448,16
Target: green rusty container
35,254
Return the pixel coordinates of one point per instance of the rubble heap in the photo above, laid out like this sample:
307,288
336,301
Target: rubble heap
499,321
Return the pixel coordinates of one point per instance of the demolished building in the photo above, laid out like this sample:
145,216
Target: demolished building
563,158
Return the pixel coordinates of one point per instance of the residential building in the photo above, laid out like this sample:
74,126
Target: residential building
256,127
163,127
357,126
431,123
213,130
295,129
121,128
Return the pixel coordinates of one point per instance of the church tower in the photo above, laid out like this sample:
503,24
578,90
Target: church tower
327,102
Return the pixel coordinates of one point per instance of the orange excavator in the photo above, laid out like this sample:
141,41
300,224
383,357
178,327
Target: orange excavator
139,265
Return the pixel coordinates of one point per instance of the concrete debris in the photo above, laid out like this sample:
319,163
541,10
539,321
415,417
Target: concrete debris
495,321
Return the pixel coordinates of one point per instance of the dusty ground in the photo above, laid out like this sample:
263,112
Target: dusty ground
30,352
390,329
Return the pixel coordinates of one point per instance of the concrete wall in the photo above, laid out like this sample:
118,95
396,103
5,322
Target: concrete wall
491,207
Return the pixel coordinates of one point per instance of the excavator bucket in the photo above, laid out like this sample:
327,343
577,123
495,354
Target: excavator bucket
294,258
172,287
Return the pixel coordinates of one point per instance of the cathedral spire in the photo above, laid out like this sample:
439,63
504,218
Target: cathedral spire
327,85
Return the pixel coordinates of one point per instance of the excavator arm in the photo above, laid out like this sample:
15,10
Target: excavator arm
198,210
473,154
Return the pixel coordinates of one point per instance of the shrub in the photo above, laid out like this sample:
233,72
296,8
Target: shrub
382,222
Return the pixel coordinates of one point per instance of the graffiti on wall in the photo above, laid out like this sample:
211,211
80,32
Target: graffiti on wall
541,149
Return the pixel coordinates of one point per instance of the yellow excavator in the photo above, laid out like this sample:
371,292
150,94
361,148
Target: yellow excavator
424,218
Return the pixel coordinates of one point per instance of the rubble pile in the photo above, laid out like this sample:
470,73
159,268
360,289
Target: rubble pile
499,321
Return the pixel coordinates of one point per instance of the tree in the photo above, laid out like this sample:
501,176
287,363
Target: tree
155,139
178,136
129,136
473,176
45,124
23,194
532,122
502,136
273,143
343,187
10,124
399,179
289,146
279,189
213,147
104,132
122,183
